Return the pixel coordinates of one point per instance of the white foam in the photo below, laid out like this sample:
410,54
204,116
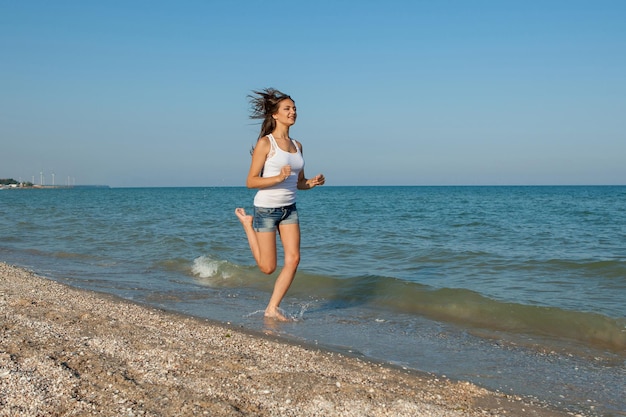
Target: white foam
205,267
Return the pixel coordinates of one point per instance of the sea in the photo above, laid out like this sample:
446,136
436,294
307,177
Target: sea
518,289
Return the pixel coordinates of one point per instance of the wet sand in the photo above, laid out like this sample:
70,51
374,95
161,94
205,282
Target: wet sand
70,352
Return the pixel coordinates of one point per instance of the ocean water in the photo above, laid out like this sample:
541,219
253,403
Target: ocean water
517,289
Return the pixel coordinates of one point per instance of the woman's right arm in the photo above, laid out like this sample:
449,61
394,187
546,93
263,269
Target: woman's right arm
259,155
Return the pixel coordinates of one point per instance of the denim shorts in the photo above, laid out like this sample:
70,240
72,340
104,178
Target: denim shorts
268,219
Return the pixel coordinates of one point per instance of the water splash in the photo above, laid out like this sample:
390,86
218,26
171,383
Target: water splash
303,308
254,313
292,317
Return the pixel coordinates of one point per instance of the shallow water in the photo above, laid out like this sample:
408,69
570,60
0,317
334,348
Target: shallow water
520,289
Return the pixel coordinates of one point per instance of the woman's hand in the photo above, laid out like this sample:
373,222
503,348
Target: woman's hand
285,172
316,180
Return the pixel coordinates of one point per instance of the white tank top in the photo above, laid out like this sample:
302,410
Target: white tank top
283,193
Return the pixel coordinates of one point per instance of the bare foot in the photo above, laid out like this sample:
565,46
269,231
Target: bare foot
244,218
276,315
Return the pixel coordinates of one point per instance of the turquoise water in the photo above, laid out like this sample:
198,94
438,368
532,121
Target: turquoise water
520,289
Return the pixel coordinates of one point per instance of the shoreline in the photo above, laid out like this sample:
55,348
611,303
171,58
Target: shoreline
67,351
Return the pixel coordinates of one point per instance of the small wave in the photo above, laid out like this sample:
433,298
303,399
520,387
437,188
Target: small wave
212,272
72,255
207,268
454,305
475,310
608,268
466,308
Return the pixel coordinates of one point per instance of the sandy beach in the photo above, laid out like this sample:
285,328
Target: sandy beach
69,352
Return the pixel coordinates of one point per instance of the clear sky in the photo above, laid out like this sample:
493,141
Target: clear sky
153,93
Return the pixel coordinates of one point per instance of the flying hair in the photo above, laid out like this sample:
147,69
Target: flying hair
264,104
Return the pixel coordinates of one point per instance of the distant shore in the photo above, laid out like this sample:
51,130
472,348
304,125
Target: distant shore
48,187
66,351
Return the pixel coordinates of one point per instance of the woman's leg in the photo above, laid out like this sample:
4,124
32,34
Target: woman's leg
262,244
290,237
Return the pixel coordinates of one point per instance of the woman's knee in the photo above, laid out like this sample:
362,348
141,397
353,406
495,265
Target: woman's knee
292,260
267,268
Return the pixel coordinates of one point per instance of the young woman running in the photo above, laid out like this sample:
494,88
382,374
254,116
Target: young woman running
277,170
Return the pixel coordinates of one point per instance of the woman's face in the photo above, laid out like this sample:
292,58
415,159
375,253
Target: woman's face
286,113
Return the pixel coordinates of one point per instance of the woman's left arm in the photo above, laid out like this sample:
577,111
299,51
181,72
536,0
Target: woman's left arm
307,184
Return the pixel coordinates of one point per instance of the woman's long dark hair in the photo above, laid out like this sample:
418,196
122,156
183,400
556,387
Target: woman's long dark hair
264,104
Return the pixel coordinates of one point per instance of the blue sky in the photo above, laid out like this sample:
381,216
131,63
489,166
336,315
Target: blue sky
147,93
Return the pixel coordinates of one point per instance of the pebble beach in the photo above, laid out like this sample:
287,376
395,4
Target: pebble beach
71,352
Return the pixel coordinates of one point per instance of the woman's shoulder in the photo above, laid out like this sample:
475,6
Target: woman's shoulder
262,147
264,141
